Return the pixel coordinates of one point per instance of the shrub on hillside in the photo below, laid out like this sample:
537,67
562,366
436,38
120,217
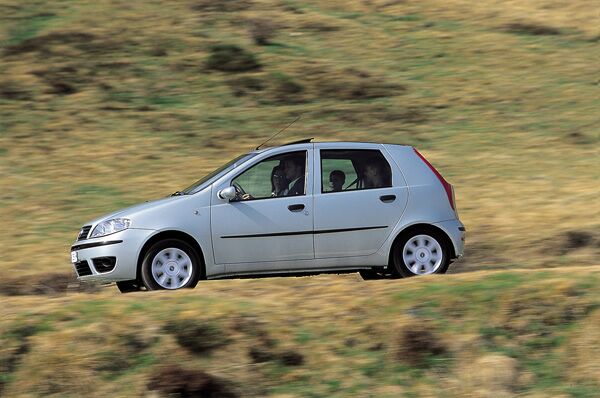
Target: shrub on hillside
260,354
12,91
286,90
532,29
221,6
348,84
417,344
580,138
291,358
570,241
45,284
244,85
51,44
174,380
197,336
262,30
231,58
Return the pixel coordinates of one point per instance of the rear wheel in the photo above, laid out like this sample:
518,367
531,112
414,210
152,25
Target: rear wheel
170,264
421,253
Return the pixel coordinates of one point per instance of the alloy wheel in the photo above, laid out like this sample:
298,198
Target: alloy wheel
172,268
422,254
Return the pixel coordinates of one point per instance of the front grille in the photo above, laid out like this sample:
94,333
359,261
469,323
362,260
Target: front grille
83,268
84,232
104,264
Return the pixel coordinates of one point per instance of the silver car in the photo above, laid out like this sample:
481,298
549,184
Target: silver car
302,208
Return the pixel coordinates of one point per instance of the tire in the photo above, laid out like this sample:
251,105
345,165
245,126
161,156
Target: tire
129,286
421,252
170,264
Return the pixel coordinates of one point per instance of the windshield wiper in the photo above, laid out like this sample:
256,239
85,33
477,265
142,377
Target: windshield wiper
177,193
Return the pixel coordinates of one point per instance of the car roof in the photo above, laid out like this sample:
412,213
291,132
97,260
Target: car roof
310,140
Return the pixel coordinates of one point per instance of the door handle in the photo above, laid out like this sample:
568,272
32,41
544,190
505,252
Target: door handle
298,207
387,198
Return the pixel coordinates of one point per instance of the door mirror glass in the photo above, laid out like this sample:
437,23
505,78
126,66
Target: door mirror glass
227,193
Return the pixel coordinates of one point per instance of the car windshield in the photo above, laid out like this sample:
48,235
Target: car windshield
209,178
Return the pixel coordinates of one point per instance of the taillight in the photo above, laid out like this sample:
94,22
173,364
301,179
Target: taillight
447,186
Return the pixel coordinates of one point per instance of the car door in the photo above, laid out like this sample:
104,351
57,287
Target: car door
264,231
356,219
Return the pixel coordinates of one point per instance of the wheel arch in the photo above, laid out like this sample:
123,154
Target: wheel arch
172,234
421,227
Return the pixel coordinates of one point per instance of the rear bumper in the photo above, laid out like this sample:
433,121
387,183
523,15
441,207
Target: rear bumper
124,246
456,231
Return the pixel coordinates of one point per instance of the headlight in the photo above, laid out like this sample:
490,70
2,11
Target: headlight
110,227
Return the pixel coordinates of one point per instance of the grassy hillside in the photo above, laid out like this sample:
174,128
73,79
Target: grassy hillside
484,334
104,104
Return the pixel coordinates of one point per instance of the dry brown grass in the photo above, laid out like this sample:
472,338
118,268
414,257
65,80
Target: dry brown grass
321,336
97,99
509,119
582,352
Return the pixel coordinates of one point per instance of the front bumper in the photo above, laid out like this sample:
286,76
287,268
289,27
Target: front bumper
124,246
456,232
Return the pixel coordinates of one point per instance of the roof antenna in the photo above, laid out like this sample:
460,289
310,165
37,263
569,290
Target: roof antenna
279,132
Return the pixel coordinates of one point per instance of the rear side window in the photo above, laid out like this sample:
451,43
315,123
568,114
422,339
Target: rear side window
350,170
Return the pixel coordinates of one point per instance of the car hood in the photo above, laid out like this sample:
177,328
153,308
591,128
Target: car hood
131,211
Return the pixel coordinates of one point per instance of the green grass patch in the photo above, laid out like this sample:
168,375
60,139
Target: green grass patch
303,336
581,391
407,18
167,100
28,27
483,291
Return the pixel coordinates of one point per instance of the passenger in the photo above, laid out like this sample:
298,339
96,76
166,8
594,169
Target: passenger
293,168
373,176
279,182
337,178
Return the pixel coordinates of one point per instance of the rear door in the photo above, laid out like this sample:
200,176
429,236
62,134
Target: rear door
356,219
265,231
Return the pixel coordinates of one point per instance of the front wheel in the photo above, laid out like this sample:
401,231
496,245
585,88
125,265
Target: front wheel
170,264
421,253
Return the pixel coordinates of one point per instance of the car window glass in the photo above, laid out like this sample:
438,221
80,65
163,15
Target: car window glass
348,170
336,173
277,176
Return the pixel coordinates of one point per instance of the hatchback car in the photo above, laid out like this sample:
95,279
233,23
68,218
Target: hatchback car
300,208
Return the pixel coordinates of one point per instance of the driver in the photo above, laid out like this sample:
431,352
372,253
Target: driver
293,167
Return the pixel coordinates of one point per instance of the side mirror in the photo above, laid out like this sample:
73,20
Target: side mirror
227,193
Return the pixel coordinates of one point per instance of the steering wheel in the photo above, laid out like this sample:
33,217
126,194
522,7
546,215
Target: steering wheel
238,189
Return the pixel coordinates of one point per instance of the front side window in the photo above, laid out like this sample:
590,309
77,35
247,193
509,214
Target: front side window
277,176
349,170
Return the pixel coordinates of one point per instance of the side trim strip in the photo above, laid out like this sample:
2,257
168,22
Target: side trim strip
88,245
332,231
322,231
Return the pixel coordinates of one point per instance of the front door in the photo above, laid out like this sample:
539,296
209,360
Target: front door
270,223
